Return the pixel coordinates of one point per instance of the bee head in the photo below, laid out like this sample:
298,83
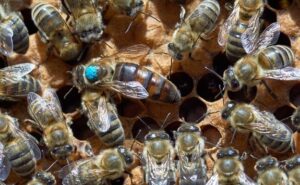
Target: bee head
174,51
45,177
91,32
292,163
228,108
126,154
231,81
158,144
157,135
227,152
266,163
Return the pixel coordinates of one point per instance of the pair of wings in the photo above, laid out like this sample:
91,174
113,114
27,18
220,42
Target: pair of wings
244,179
48,106
250,40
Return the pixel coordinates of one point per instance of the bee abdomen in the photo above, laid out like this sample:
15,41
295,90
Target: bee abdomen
26,84
158,87
276,57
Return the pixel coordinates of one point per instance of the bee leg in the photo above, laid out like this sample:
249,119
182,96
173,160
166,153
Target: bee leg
181,17
33,123
130,176
274,96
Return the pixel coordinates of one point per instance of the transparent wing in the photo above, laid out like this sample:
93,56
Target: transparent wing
53,101
64,171
5,167
287,73
33,145
6,42
158,172
14,73
268,37
244,179
131,89
227,26
214,180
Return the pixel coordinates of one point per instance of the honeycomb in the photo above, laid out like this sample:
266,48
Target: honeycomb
199,88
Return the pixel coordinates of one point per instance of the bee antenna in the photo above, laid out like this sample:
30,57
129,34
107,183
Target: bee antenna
65,96
51,166
284,119
233,136
142,121
165,121
208,113
150,16
171,66
108,45
134,139
214,72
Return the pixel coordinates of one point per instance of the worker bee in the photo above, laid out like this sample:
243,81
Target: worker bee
128,7
267,131
229,169
103,118
190,150
110,164
292,167
158,159
57,134
269,172
87,19
42,178
296,119
13,32
200,23
240,32
18,149
16,83
55,31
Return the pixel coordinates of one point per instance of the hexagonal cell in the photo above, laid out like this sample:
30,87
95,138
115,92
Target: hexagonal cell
212,134
171,127
183,82
284,40
26,13
130,108
80,129
118,181
220,63
294,95
143,125
192,110
269,16
209,87
244,95
72,101
284,114
280,4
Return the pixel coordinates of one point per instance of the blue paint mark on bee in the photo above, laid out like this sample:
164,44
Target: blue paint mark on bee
92,73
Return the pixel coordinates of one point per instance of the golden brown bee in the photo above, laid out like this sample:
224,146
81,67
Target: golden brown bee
110,164
16,82
19,150
158,159
57,134
292,167
54,30
273,62
87,19
103,118
267,131
229,169
200,23
42,178
269,172
129,7
190,150
296,119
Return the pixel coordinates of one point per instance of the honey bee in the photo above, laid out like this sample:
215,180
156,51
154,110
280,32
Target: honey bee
292,167
229,169
42,178
16,83
296,119
199,24
103,118
19,150
87,19
267,131
55,31
158,159
269,172
14,35
110,164
57,134
128,7
240,32
190,150
273,62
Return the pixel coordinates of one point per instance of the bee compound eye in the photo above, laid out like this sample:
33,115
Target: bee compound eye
235,84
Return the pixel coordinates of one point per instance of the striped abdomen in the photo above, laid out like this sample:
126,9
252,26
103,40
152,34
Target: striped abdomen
21,157
276,57
20,36
248,8
158,87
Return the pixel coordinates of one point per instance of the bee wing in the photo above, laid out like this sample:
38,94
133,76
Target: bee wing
67,169
131,89
287,73
16,72
52,99
6,42
33,145
245,179
268,37
214,180
5,167
230,21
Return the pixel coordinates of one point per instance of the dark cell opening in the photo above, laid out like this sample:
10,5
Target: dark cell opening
130,108
220,63
80,129
209,87
246,94
37,136
172,127
183,82
192,110
147,124
280,4
269,16
284,114
294,95
26,13
3,62
284,40
211,134
72,101
7,104
118,181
